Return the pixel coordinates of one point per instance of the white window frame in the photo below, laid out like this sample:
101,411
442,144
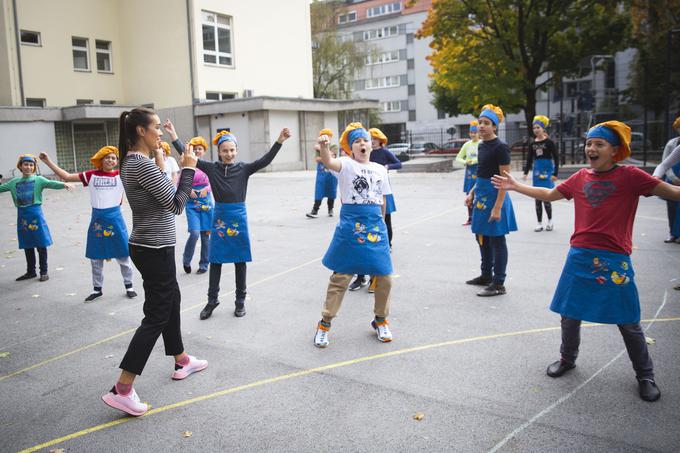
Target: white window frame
217,25
383,82
390,106
107,51
390,56
37,33
380,33
345,18
381,10
221,96
85,49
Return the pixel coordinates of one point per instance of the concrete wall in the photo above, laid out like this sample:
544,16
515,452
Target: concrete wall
24,137
290,157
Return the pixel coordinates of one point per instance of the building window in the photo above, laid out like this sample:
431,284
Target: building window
81,54
103,56
217,39
390,106
104,102
379,33
411,89
382,82
409,38
30,38
35,102
84,101
411,115
410,63
381,10
216,96
347,17
383,57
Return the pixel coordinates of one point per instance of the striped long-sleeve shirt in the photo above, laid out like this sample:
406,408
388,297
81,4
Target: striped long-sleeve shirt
153,200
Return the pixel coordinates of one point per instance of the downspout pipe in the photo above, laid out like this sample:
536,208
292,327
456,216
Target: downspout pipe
17,37
191,65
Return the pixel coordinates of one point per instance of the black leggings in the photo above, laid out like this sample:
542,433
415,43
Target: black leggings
317,204
388,222
539,210
214,284
30,260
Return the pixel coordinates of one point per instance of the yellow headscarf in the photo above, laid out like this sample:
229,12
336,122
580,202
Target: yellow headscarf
623,131
101,154
344,138
377,133
676,123
199,141
542,121
166,148
497,110
326,131
224,136
29,157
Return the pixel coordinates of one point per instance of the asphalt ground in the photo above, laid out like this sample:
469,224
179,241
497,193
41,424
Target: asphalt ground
473,368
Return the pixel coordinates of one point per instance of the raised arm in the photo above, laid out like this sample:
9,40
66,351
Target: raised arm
507,183
63,174
267,159
327,160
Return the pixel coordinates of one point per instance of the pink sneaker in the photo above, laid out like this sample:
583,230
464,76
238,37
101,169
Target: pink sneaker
130,404
194,365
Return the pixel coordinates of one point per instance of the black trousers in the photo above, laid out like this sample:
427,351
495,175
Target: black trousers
161,307
633,337
216,275
30,260
670,209
317,204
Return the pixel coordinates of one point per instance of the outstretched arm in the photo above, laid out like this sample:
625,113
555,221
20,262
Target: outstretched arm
667,191
63,174
507,183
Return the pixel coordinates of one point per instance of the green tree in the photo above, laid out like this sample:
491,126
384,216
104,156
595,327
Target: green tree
652,20
487,51
334,59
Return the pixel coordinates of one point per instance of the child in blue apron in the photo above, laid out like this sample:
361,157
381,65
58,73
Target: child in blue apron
107,235
382,156
468,157
32,228
229,239
359,244
326,185
492,213
544,159
199,211
598,281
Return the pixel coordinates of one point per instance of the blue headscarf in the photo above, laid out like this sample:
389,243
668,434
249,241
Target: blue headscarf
356,134
605,133
488,113
227,138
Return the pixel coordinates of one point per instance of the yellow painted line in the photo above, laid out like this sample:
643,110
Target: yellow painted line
192,307
307,372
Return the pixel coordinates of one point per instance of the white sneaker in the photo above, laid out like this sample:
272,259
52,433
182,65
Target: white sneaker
194,366
382,330
549,226
321,337
538,228
130,404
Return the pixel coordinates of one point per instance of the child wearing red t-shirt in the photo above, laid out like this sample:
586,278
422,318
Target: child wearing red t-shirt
597,283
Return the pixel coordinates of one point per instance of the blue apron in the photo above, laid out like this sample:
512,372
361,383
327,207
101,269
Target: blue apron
485,198
199,212
543,171
229,240
107,236
326,184
390,206
32,228
359,244
470,177
597,286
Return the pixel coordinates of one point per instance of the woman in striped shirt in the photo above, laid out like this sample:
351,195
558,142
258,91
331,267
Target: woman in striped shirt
154,203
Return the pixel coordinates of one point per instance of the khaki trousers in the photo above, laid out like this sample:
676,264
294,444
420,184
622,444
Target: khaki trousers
337,287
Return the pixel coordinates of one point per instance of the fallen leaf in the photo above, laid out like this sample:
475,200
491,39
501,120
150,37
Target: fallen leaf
4,355
187,434
108,356
209,337
57,450
650,340
419,416
35,296
60,269
70,294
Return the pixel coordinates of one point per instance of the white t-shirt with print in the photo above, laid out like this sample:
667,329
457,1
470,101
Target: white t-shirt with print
362,183
106,188
170,167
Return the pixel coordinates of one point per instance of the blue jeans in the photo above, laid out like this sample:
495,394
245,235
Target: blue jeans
494,251
191,246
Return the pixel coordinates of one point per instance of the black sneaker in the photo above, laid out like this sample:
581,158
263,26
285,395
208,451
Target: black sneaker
208,309
44,277
493,289
240,309
330,213
201,271
649,390
187,268
95,295
27,276
131,293
358,282
313,214
482,280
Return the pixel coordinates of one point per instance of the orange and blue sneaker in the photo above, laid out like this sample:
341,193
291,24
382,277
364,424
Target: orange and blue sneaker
382,330
321,337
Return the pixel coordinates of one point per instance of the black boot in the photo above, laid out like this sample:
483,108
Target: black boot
240,308
208,309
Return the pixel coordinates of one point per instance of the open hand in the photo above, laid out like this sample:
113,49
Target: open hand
506,182
189,158
170,129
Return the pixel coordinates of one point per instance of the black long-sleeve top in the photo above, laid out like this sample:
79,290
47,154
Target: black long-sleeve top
384,156
229,182
544,149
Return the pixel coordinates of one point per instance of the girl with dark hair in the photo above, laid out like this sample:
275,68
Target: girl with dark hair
544,160
154,203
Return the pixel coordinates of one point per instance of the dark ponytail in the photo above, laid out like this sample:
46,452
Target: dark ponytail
127,128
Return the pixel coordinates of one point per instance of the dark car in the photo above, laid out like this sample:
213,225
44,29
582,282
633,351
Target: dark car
452,146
